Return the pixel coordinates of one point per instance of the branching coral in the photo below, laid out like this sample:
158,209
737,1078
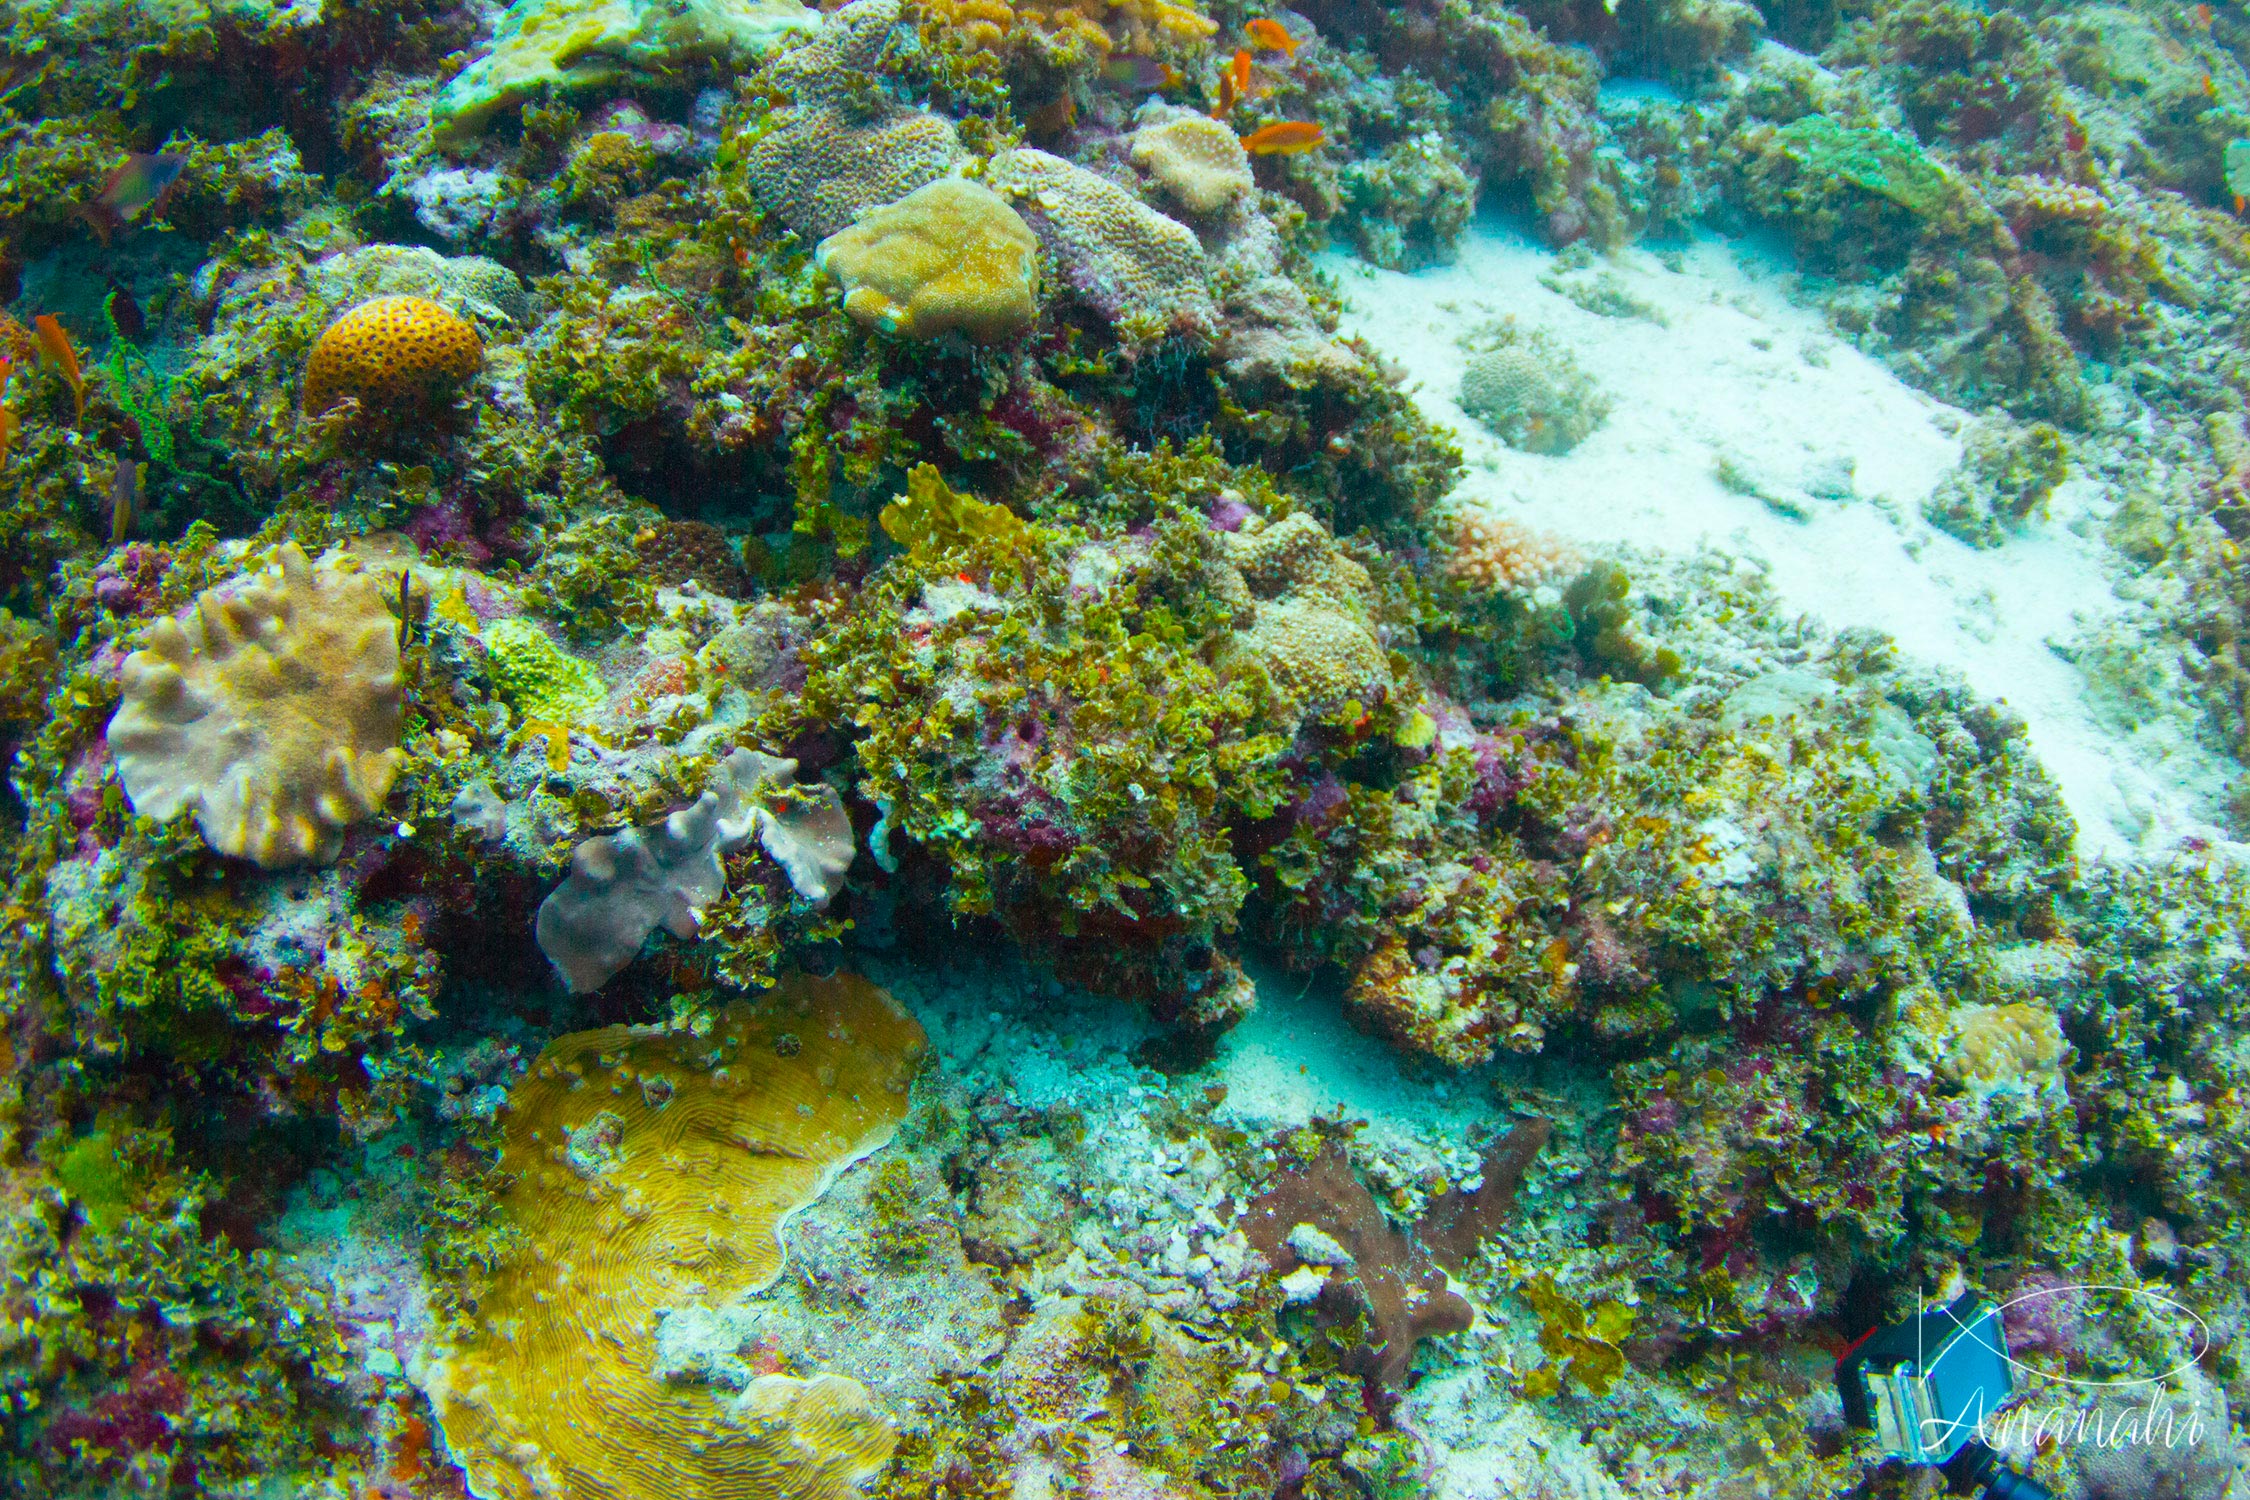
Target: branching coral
270,709
648,1169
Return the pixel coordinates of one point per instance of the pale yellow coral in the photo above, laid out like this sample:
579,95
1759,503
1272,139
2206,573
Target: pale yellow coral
1309,625
952,256
649,1169
2015,1047
543,45
1197,160
269,708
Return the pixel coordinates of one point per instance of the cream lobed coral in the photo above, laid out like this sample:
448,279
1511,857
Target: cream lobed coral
948,257
268,708
1195,159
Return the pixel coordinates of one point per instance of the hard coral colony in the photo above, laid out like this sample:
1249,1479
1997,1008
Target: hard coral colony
1124,748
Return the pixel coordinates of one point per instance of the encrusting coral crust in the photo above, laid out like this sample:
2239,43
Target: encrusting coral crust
648,1169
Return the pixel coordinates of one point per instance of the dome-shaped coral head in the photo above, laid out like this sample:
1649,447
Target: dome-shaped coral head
270,708
397,355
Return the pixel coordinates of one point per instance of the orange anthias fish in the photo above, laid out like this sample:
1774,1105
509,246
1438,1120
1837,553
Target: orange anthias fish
1270,35
1234,84
55,345
1286,138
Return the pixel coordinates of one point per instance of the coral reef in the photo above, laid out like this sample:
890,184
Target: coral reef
1132,265
649,1166
269,709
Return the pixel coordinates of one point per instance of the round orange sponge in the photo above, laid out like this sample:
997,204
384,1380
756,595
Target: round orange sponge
397,353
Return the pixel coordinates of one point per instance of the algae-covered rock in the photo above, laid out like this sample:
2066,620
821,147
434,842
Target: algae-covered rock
949,257
569,44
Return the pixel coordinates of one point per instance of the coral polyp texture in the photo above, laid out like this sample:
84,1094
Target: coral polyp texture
1127,261
268,708
402,354
648,1169
949,257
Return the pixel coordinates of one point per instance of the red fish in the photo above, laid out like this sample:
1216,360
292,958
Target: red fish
1271,36
1286,138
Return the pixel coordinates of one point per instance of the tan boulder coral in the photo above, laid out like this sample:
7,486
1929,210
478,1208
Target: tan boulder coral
949,257
269,708
1195,159
1140,270
842,149
1309,625
650,1169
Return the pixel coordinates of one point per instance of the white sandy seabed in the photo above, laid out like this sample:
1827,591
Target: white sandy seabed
1738,374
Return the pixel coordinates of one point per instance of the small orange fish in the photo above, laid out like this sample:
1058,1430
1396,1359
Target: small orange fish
1234,84
2204,16
1287,138
55,344
1271,36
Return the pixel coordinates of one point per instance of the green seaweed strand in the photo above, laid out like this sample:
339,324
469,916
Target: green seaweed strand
139,389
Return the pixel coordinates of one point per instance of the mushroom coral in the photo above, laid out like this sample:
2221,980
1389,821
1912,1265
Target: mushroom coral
268,708
646,1169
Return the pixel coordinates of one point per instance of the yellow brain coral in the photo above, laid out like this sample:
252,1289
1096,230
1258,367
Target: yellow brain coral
1196,160
269,708
651,1169
394,352
949,256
